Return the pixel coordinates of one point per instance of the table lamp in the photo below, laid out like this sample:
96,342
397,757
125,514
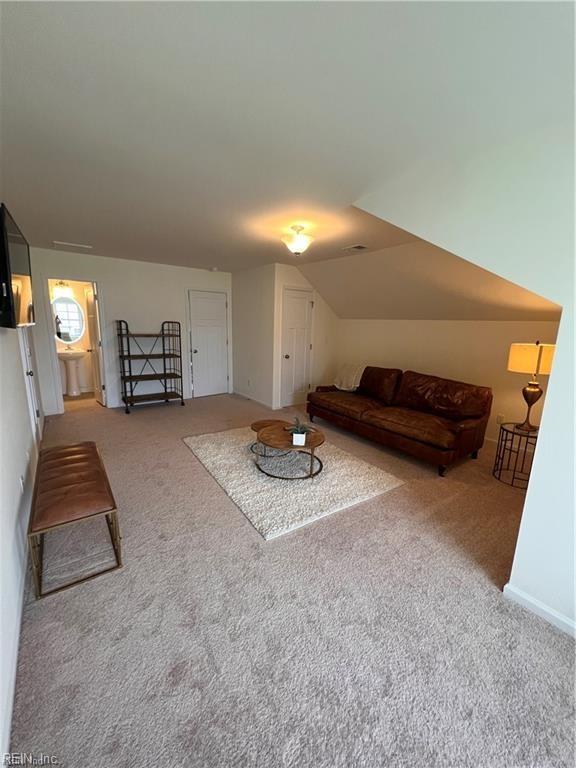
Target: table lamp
535,359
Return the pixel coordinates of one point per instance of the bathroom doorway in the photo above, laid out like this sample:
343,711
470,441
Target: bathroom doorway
78,338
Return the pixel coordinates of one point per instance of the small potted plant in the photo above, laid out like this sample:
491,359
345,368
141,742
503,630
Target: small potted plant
299,432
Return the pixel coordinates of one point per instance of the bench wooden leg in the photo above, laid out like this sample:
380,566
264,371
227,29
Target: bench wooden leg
35,545
115,537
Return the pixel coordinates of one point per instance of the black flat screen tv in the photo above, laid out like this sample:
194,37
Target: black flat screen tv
16,305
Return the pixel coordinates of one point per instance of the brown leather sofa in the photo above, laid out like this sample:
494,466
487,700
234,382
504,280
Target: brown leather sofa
437,420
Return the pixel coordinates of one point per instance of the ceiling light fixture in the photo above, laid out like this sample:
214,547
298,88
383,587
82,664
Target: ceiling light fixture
62,290
297,243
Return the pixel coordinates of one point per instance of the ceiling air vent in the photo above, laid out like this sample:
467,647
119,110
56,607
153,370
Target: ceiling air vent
355,248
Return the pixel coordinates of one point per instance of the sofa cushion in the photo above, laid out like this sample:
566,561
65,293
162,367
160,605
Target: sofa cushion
424,427
379,383
346,403
442,397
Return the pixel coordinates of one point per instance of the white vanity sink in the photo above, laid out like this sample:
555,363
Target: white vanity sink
70,358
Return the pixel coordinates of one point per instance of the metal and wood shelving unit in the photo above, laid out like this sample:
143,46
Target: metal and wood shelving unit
159,358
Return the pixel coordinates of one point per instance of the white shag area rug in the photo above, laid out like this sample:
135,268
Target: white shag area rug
274,506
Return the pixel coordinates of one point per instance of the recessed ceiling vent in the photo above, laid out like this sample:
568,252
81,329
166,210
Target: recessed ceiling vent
357,247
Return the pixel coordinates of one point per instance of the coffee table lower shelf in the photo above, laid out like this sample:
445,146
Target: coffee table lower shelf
316,466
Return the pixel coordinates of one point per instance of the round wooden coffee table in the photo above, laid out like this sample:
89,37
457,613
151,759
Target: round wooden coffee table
256,426
277,437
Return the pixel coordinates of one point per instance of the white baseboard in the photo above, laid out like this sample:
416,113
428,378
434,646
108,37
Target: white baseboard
564,623
250,397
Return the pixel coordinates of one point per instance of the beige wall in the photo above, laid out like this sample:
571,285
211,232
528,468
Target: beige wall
142,293
471,351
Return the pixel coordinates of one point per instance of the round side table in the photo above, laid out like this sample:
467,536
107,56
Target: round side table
514,455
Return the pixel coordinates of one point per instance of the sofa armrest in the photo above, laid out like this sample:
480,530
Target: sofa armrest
327,388
466,425
470,434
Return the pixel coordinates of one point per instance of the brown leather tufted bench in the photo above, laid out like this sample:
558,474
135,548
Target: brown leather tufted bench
71,485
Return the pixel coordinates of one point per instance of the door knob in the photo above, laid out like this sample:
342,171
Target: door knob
287,357
29,373
195,351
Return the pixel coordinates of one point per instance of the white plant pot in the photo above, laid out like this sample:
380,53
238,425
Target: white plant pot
298,439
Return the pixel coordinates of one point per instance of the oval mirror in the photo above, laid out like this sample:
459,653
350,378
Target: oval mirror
68,319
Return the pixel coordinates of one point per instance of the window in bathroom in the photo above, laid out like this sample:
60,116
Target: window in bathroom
68,319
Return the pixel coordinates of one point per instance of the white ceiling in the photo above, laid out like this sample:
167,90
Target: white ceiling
195,133
418,281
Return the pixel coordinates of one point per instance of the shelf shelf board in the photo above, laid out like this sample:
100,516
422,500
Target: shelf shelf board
151,376
150,335
153,356
151,397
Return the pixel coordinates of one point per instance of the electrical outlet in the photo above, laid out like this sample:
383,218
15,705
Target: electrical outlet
22,483
500,418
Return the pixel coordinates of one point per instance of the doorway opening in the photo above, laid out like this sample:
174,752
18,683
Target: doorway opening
208,342
78,339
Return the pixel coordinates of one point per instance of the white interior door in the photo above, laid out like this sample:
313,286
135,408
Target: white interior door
95,350
209,342
296,340
31,377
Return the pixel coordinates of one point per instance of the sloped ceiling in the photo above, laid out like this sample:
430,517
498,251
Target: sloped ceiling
418,281
190,133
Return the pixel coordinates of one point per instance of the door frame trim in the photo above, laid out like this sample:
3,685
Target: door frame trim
53,353
227,292
36,422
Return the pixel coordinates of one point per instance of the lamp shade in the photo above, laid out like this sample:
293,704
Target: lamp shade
531,358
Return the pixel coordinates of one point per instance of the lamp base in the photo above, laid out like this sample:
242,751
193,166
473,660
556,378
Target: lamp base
526,427
532,392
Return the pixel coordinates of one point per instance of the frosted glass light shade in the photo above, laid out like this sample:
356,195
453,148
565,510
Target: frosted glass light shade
62,291
298,242
531,358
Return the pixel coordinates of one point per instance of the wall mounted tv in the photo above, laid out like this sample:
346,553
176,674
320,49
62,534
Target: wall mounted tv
16,307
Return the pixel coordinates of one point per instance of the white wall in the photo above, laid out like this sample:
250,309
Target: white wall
258,295
142,293
17,460
419,281
467,350
253,328
511,210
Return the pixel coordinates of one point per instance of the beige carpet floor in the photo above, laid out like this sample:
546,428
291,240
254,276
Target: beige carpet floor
374,639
